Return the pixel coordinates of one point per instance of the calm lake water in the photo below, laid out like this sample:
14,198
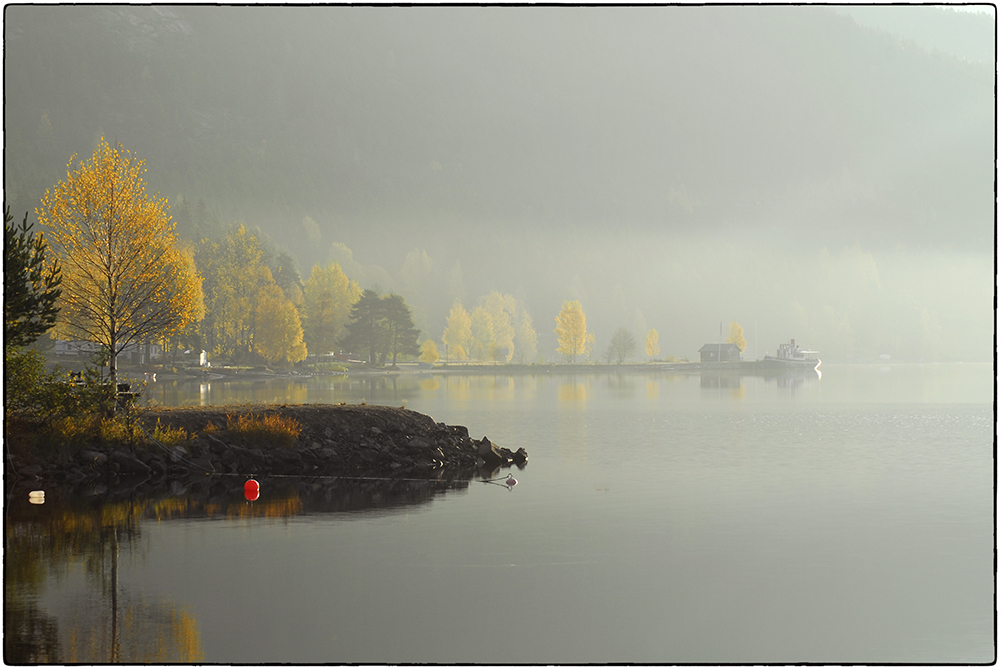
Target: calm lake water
660,519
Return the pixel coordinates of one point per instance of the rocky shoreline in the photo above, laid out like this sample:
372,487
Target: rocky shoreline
334,440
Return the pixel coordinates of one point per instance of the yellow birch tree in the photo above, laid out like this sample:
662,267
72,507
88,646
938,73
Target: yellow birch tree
483,338
525,338
329,296
190,331
571,330
653,343
236,273
277,329
429,351
124,280
457,335
502,310
736,336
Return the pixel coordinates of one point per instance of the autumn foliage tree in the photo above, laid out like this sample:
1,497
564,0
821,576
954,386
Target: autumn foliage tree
429,351
124,281
484,344
653,343
277,328
328,297
457,335
497,329
189,336
502,312
736,336
236,272
571,330
525,337
248,314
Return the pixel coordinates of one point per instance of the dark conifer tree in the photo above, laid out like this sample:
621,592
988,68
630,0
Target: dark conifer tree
364,332
402,336
30,289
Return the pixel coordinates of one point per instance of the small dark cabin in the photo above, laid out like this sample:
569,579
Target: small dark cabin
720,353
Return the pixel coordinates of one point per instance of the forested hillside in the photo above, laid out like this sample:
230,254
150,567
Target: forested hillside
689,113
485,134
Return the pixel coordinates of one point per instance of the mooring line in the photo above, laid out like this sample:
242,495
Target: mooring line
174,454
354,478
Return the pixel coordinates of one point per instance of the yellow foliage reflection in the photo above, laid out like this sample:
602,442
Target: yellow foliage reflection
110,623
652,389
142,632
284,506
275,508
572,392
458,388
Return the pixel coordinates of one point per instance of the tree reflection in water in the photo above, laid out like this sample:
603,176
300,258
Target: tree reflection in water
48,545
57,539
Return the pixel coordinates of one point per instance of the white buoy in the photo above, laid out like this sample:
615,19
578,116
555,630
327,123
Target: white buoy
36,497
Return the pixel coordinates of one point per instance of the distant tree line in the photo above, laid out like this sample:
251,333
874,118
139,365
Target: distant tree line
118,274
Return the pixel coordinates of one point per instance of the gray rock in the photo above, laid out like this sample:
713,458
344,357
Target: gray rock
128,464
204,463
93,457
489,452
30,471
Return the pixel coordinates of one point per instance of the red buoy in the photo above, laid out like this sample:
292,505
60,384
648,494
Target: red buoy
251,490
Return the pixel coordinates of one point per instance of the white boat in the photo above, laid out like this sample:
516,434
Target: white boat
792,356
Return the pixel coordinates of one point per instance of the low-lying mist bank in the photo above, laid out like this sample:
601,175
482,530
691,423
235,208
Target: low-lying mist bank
853,300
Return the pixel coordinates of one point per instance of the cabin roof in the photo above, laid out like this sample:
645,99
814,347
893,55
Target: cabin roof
719,348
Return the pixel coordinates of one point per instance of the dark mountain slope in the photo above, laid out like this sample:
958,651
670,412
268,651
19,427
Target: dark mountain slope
653,116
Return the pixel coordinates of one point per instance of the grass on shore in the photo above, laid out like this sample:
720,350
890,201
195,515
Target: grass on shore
255,431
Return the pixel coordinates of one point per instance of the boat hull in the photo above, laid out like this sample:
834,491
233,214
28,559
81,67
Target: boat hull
772,362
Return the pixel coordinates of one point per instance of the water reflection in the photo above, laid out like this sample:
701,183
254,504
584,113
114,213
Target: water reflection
489,387
282,497
396,389
652,390
621,385
859,519
573,391
732,381
83,543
